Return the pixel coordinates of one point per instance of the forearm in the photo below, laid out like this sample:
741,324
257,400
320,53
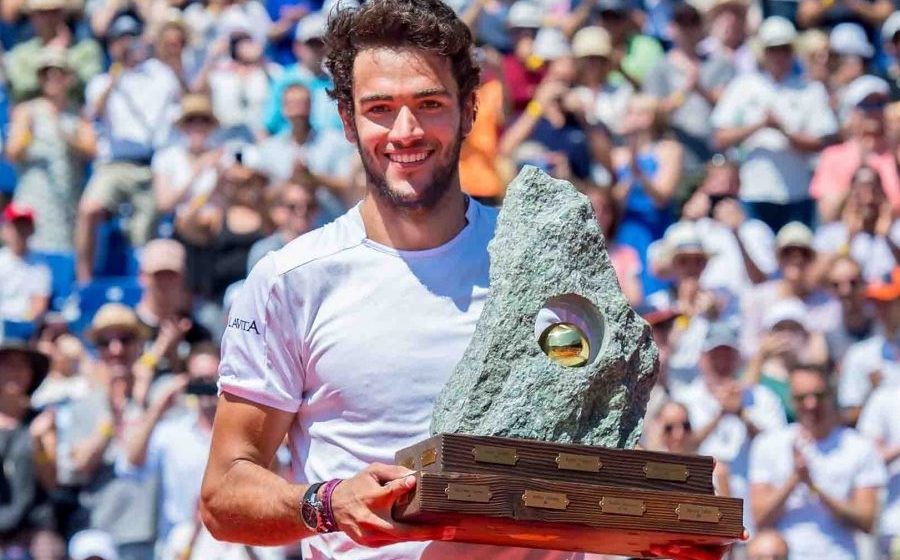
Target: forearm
875,13
518,132
848,513
756,275
700,435
139,439
767,510
727,137
810,13
250,504
805,142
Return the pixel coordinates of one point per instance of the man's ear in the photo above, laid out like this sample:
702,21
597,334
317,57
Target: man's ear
469,113
347,119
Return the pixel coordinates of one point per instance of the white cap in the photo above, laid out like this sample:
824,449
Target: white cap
785,310
850,39
683,238
794,234
776,31
891,26
551,44
91,542
859,89
312,26
526,14
591,41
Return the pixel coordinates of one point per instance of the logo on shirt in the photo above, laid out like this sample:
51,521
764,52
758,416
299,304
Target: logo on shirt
244,325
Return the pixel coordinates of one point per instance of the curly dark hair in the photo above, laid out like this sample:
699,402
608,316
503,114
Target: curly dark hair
429,25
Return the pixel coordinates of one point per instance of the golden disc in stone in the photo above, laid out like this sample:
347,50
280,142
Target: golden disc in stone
565,344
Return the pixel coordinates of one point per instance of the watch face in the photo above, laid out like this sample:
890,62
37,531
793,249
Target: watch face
310,516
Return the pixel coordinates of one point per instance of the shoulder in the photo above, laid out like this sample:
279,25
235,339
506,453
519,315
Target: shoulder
342,234
868,349
853,442
774,441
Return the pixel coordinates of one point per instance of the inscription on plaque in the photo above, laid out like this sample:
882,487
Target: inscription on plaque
622,506
495,455
428,457
468,493
545,500
666,471
572,462
694,512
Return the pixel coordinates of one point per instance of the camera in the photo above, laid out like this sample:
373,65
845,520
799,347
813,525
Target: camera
202,387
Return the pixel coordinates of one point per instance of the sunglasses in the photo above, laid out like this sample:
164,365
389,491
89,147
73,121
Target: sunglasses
853,283
300,208
124,339
669,428
820,396
198,120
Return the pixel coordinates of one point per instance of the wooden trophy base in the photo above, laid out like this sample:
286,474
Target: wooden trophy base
513,501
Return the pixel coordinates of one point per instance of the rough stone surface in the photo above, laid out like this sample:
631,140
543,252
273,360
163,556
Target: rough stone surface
548,244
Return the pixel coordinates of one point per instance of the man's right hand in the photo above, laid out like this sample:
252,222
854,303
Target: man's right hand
362,507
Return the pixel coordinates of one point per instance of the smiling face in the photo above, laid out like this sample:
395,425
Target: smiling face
408,124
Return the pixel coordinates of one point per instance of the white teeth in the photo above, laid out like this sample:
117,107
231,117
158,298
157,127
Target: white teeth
408,158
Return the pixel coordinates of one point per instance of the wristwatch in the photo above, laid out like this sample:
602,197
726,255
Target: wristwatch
312,510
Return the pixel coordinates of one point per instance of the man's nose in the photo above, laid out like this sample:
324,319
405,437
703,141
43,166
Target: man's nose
406,127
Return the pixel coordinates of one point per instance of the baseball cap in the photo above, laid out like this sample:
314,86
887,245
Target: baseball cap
312,26
591,41
122,26
850,39
776,31
92,542
794,234
16,211
40,362
163,254
525,14
891,26
861,88
888,289
683,238
785,310
551,44
720,334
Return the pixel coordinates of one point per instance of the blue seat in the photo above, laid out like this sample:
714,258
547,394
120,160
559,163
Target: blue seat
92,296
62,273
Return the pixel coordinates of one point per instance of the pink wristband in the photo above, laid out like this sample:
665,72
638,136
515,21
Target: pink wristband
328,517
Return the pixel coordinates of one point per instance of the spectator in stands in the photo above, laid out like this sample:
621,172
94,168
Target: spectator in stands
727,24
633,53
869,13
688,85
815,481
866,146
602,101
727,414
625,259
309,49
170,47
767,545
648,169
850,54
873,362
522,70
24,508
133,105
47,545
65,379
670,430
293,210
50,143
797,279
815,56
742,250
661,320
48,19
188,171
867,230
92,544
778,121
890,34
880,422
844,279
24,281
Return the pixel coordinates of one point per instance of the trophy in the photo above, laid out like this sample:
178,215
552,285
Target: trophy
533,434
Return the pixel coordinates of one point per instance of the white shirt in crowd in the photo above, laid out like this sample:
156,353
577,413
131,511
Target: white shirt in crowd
726,268
875,355
729,442
139,111
357,339
239,99
174,163
838,465
21,279
880,422
772,171
872,252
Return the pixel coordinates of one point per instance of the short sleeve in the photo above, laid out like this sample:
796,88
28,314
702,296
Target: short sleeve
870,472
761,460
822,121
260,347
725,115
759,241
854,383
871,422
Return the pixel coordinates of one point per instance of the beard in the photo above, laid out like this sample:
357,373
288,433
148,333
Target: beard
442,178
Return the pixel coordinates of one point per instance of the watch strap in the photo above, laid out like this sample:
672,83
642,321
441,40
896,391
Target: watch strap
328,521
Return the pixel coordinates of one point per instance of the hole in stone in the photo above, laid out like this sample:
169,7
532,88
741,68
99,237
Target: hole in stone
570,330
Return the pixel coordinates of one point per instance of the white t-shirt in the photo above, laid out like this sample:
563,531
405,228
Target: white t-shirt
838,465
174,162
875,354
726,268
880,422
871,252
772,171
20,280
358,339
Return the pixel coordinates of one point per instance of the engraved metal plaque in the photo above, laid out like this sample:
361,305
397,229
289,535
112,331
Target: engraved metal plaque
694,512
622,506
428,457
666,471
572,462
468,493
495,455
545,500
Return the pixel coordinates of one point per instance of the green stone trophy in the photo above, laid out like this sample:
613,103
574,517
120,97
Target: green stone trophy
534,433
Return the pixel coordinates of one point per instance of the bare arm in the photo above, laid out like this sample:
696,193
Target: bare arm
873,13
662,187
20,135
810,12
728,137
858,512
138,441
767,501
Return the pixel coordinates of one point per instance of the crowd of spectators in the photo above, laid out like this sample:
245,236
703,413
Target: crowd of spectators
741,157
